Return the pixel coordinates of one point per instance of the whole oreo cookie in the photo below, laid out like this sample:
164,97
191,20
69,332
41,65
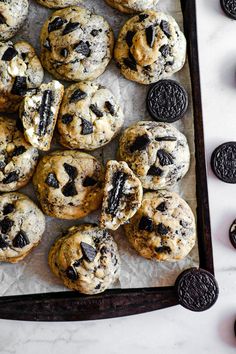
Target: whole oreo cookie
167,101
223,162
232,234
197,289
229,8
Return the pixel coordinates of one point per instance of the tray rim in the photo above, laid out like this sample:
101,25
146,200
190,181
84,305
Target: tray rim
71,306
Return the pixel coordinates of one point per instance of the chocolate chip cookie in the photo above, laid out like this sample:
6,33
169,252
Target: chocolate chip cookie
157,153
163,229
76,44
69,184
21,71
22,225
150,47
38,113
132,6
86,259
13,14
18,159
89,117
122,195
57,3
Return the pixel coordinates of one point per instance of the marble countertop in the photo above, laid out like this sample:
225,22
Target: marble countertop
174,330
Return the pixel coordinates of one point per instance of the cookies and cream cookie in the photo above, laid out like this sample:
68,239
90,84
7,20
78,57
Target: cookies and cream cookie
132,6
58,3
157,153
69,184
150,47
89,116
38,113
22,225
86,259
122,195
76,44
163,229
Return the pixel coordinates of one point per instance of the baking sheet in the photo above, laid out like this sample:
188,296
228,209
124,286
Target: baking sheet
33,275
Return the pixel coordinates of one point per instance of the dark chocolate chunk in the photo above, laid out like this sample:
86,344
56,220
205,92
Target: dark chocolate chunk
165,158
20,86
165,50
52,180
88,251
77,95
96,111
2,20
8,209
6,225
83,48
94,32
163,249
161,207
167,101
146,224
197,289
47,44
130,62
3,243
110,107
165,28
19,150
129,38
114,195
11,177
162,229
21,240
69,190
140,143
232,234
155,171
143,17
45,112
70,27
9,54
64,52
89,182
229,8
165,138
71,273
223,162
86,127
70,170
67,118
150,35
56,24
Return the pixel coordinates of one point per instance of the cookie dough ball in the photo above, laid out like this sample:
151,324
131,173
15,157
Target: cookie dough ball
157,153
21,71
22,225
38,113
57,3
18,159
132,6
86,259
69,184
150,47
164,228
123,194
76,44
89,117
13,14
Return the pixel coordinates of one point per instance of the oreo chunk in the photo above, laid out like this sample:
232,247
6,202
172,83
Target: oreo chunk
145,224
67,118
86,127
143,17
45,112
77,95
129,38
197,289
114,195
64,52
88,251
8,209
47,44
232,234
9,54
110,108
223,162
19,150
21,240
96,111
71,273
150,35
165,28
94,32
140,143
165,158
2,20
162,229
161,207
229,8
70,27
20,86
130,62
6,225
69,190
155,171
167,101
89,182
52,180
70,170
11,177
83,48
56,24
165,138
3,243
165,50
163,249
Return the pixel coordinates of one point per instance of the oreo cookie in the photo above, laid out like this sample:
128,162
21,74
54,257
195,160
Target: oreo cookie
167,101
197,289
229,8
223,162
232,234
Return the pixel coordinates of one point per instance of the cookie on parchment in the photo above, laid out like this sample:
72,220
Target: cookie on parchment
38,113
132,6
69,184
76,44
89,116
56,4
163,229
18,159
86,259
150,47
22,225
157,153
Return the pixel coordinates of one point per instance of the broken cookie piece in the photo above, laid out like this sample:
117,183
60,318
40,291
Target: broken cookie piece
122,195
39,113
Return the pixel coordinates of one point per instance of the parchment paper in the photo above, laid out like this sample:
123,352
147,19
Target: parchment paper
33,274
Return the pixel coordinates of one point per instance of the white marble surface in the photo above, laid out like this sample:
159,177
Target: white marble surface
173,330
